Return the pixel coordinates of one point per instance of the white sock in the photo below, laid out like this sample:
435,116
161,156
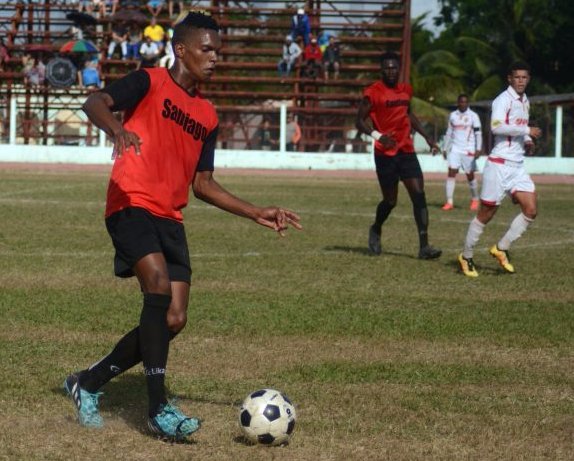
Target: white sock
450,185
475,230
516,229
472,185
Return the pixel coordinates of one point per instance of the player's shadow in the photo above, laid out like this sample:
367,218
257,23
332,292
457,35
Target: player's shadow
433,204
454,265
364,251
242,440
127,397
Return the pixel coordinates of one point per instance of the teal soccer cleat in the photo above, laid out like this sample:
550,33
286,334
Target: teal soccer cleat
172,424
86,403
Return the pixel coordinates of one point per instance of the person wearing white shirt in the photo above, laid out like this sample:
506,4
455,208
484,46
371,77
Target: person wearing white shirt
149,52
504,172
463,145
291,51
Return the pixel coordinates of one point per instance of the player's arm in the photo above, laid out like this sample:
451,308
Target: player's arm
417,126
123,94
365,125
206,188
477,128
499,125
447,138
529,146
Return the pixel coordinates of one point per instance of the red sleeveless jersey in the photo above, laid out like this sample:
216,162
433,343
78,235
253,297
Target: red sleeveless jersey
172,126
390,114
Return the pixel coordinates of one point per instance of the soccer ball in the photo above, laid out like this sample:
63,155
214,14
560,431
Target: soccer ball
268,417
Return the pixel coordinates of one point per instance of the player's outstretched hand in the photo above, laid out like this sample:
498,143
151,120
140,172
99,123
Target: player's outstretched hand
434,148
123,139
388,140
278,219
535,132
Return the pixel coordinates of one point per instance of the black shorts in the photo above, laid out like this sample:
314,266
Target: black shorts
398,167
135,233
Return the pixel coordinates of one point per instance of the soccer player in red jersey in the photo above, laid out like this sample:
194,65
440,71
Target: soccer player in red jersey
385,115
165,145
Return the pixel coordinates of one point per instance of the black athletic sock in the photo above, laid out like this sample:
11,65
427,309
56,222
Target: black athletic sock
124,356
154,347
421,214
383,211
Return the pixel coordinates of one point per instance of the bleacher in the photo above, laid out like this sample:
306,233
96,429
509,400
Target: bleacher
246,85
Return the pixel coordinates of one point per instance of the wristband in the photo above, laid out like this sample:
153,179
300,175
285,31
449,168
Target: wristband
376,135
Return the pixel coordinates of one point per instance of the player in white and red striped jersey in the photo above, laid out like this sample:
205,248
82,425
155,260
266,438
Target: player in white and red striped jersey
462,146
504,172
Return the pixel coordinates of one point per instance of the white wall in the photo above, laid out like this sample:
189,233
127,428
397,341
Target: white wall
262,159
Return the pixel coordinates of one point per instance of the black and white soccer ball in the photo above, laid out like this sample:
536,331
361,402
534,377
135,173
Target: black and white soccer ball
267,417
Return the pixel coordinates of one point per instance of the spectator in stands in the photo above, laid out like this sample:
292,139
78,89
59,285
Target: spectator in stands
119,37
168,58
155,7
293,133
92,7
332,58
87,5
170,7
149,53
291,53
89,76
4,55
135,38
155,32
34,70
76,32
300,26
263,138
112,4
323,40
313,60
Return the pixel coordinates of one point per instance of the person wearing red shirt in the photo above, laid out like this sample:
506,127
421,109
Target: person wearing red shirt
165,144
385,114
313,57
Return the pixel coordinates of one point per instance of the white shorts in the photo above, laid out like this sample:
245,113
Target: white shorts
500,179
457,160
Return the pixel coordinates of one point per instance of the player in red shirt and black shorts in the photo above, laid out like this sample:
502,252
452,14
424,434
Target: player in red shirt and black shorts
165,144
385,115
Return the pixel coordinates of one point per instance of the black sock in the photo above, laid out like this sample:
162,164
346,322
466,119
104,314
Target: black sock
124,356
421,213
383,211
154,347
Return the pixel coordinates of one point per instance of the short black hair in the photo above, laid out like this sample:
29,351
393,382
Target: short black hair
462,95
194,19
518,65
390,55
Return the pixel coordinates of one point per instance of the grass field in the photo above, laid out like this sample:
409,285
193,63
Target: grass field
385,358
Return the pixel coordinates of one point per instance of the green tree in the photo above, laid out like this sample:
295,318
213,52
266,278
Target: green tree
538,31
